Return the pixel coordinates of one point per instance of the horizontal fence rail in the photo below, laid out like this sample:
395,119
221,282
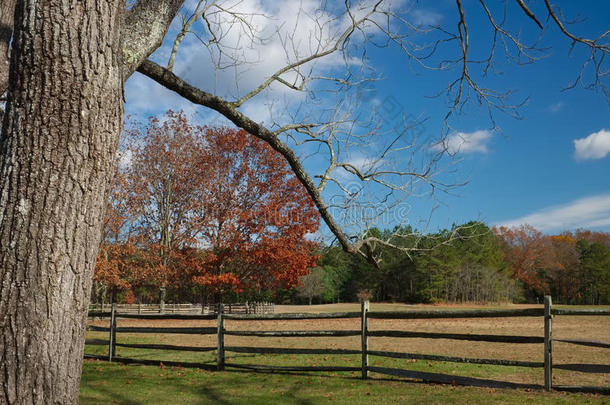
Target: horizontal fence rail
581,312
276,350
167,316
450,314
293,333
457,336
591,343
365,334
183,331
293,316
167,347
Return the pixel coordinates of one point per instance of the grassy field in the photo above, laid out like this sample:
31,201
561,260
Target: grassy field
113,383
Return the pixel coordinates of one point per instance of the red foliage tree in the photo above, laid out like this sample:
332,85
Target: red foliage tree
256,218
117,265
214,206
524,251
165,181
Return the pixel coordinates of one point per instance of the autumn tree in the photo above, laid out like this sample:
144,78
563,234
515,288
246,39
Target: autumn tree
64,104
165,175
117,255
561,264
256,215
569,265
218,190
524,250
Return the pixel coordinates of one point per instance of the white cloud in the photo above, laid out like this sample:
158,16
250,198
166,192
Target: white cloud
364,163
464,142
422,17
588,212
283,35
284,32
594,146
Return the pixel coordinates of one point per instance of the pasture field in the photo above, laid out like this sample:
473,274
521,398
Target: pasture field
131,384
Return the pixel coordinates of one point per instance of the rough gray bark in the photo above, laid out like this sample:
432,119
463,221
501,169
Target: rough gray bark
57,152
59,137
145,27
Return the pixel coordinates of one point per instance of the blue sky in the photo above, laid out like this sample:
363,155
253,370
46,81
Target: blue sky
550,168
529,170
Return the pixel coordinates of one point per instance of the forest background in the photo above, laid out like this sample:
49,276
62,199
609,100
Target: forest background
206,215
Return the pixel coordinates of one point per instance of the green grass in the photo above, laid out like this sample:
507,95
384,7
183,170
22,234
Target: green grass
461,369
113,383
482,371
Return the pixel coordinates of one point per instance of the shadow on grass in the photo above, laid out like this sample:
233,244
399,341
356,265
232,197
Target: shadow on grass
96,342
399,375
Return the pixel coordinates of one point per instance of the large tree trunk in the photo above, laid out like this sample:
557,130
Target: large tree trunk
59,137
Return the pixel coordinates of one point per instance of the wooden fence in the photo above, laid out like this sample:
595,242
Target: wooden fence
234,308
365,315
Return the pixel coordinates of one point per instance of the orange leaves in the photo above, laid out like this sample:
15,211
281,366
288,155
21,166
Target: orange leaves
222,282
523,249
259,214
546,262
214,206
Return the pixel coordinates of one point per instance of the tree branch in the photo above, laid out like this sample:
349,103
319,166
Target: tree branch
172,82
186,26
593,44
146,24
529,13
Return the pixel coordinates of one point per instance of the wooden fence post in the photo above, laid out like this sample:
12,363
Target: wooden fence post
112,335
220,357
548,344
365,339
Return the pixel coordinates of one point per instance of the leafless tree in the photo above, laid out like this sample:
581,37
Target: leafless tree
312,285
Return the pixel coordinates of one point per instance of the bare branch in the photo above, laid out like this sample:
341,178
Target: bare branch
598,52
529,13
593,44
318,55
174,83
201,8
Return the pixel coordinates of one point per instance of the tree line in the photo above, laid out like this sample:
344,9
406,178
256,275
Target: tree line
469,263
201,214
